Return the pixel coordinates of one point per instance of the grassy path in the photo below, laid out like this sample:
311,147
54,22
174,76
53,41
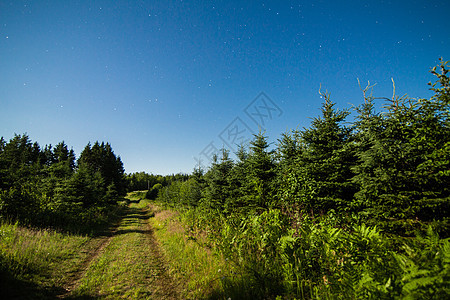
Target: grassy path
93,249
124,264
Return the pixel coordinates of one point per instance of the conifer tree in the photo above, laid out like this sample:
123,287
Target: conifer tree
238,189
289,147
217,191
321,180
2,144
289,152
367,126
261,173
403,171
101,158
19,160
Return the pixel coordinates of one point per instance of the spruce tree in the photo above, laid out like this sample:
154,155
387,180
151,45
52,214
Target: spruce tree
403,170
324,168
289,152
261,173
237,179
367,127
101,158
217,191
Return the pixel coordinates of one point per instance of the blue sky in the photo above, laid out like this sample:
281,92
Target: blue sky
167,82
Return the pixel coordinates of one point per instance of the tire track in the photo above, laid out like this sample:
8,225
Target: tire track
95,250
158,282
165,285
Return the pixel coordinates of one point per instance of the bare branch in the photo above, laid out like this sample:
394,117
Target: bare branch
393,89
325,95
367,88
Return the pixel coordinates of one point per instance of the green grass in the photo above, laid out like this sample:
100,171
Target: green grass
203,271
36,261
128,267
137,195
129,263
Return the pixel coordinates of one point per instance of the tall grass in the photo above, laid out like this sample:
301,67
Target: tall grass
204,271
275,254
40,257
40,261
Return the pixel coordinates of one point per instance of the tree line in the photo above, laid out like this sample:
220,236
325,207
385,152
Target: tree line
48,186
142,181
388,167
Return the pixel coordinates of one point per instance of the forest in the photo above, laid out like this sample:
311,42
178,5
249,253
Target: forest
47,186
339,210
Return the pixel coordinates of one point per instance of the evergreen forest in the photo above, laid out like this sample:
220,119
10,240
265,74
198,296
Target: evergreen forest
47,186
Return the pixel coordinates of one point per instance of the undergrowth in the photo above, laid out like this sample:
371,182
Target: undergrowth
275,254
204,271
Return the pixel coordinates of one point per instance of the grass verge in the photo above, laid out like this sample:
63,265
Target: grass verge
202,270
36,263
40,263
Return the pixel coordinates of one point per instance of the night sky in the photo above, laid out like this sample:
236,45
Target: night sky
169,82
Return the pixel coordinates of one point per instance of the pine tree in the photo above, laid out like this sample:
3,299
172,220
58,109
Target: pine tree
403,169
261,173
101,158
289,151
19,161
367,127
238,189
2,144
217,191
85,187
321,180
